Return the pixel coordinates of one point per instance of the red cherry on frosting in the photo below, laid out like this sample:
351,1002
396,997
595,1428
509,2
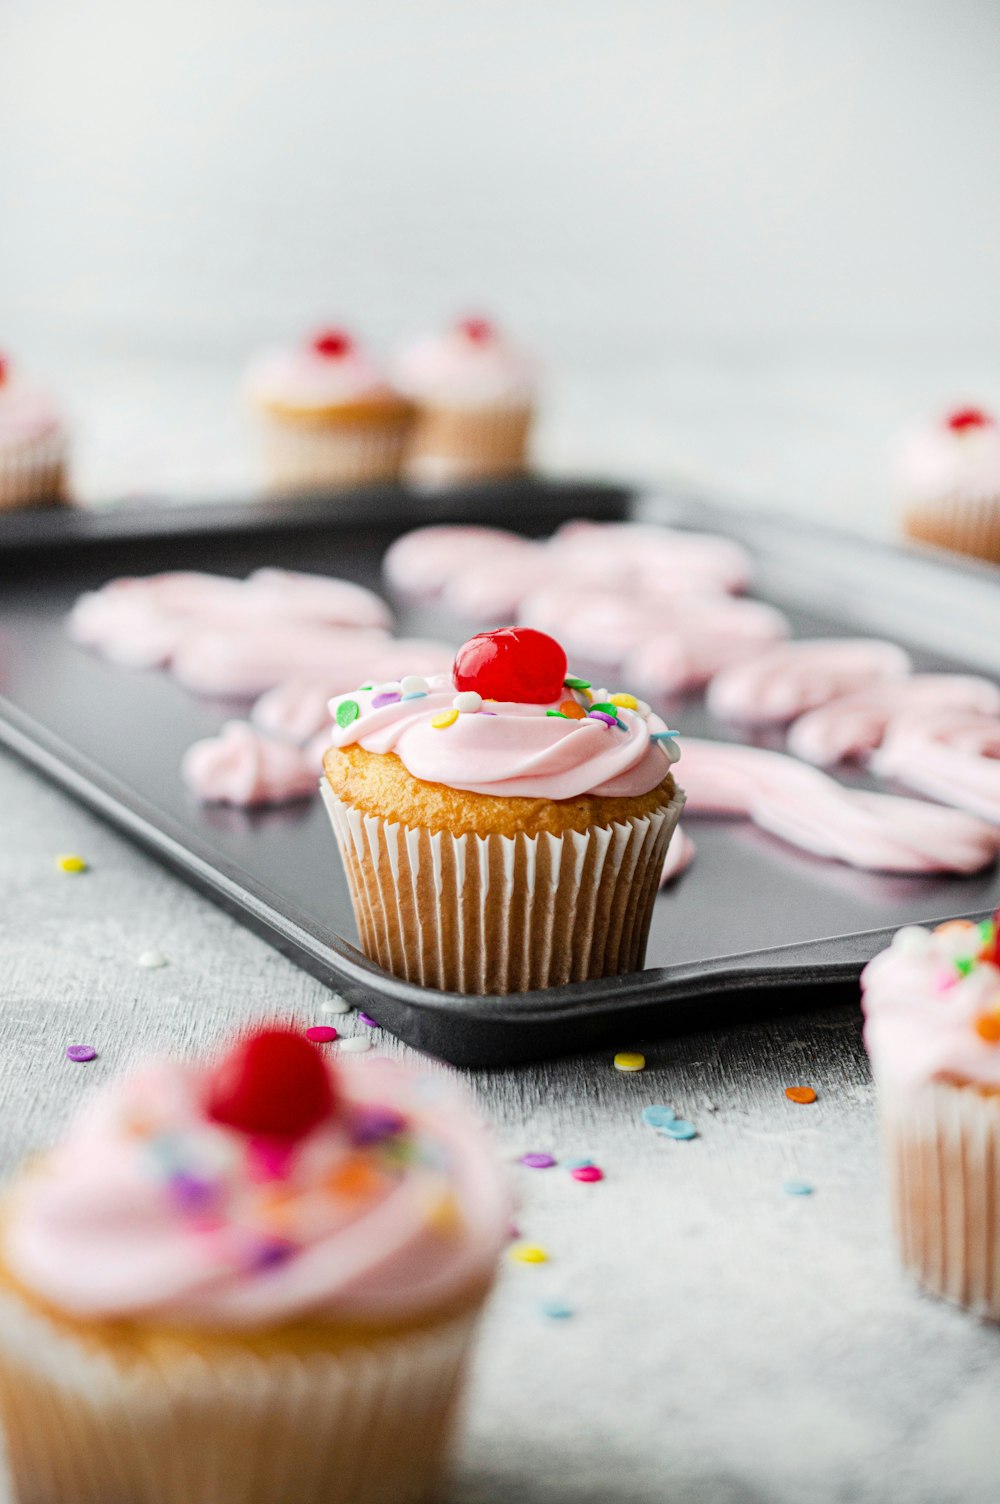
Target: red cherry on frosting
479,331
273,1084
512,663
332,343
968,417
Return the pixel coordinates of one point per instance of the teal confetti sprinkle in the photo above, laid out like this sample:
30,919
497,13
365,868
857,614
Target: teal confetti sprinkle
680,1128
658,1115
797,1188
557,1310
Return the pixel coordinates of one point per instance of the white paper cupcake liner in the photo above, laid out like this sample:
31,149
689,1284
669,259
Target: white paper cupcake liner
455,444
943,1149
369,1424
315,456
965,523
33,472
499,914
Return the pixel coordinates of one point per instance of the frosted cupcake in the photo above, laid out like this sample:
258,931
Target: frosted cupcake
503,827
328,418
947,483
32,445
932,1010
254,1282
474,393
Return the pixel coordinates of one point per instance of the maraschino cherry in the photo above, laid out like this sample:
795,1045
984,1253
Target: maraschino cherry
272,1085
332,344
512,663
964,418
478,331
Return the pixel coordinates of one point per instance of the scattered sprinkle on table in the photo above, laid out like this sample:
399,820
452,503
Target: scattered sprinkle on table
629,1060
578,1164
71,863
537,1161
335,1004
321,1033
151,959
797,1188
80,1054
800,1094
355,1044
528,1253
587,1173
367,1019
658,1115
680,1128
556,1310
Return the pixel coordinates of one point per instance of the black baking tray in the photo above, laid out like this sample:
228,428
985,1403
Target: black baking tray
754,927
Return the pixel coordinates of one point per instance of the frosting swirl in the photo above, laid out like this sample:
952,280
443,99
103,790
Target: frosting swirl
508,748
390,1205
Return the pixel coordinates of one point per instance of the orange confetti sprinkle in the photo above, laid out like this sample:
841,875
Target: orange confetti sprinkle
573,711
954,926
800,1094
988,1027
355,1177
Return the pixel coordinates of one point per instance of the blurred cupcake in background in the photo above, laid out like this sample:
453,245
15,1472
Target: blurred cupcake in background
328,417
32,444
946,479
474,394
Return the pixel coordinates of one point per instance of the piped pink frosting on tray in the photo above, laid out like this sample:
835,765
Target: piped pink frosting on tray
421,562
951,756
680,854
244,768
388,1207
809,809
785,681
855,724
932,1006
505,748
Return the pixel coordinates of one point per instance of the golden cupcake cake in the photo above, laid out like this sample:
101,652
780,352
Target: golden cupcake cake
474,394
932,1029
503,827
947,482
253,1281
327,416
33,444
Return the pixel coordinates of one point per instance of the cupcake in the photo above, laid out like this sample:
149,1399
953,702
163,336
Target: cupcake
32,445
504,826
327,416
947,483
932,1028
258,1281
474,395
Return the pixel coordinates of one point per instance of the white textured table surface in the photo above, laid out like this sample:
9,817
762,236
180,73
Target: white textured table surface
730,1344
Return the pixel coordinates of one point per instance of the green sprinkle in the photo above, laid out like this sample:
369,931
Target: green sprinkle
964,965
606,708
558,713
572,682
366,686
347,711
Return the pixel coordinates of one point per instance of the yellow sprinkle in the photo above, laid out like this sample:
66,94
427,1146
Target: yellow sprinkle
627,702
71,864
445,719
528,1253
629,1060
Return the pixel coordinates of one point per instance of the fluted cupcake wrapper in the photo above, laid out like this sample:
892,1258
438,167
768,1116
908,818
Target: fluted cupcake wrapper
363,1424
943,1149
455,444
314,456
499,914
964,522
33,472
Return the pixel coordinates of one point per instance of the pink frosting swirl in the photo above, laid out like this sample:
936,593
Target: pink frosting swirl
932,1006
303,377
27,414
785,681
243,768
934,460
951,756
470,366
388,1208
855,724
506,748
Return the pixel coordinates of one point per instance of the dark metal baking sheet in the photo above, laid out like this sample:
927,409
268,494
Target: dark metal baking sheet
754,926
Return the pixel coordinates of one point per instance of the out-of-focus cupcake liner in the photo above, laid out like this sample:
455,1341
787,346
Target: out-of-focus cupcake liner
363,1424
301,455
447,445
964,523
33,472
943,1148
500,914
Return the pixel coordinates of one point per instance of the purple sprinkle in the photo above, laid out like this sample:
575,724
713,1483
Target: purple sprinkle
599,715
373,1124
538,1161
270,1254
191,1194
389,697
80,1053
367,1019
487,712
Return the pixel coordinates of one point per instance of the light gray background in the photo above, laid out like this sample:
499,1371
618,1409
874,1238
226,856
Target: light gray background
748,239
